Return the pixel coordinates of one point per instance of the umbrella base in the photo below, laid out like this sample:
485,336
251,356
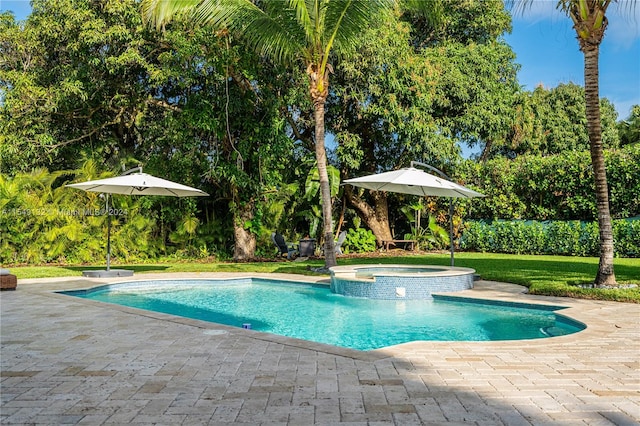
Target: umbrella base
107,274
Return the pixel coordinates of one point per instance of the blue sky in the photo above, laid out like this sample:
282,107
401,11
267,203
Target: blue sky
547,50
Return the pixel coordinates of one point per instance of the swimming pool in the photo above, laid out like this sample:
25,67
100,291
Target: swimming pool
312,312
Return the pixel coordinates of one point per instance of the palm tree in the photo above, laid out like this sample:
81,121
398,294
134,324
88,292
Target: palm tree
287,31
590,22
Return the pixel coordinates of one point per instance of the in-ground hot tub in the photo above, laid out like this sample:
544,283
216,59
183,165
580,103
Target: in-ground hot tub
399,281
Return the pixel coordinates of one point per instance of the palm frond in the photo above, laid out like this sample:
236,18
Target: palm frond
520,7
305,13
159,12
430,10
345,20
269,30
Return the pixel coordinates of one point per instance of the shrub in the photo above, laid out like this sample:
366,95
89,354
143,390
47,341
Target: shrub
569,238
626,237
359,240
44,222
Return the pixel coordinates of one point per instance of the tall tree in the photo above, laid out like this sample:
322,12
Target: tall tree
74,78
380,111
306,31
87,79
551,121
590,22
403,98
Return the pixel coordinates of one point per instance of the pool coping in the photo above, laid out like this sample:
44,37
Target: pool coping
350,271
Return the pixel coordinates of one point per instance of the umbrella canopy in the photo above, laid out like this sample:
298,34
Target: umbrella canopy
139,184
132,184
413,181
417,182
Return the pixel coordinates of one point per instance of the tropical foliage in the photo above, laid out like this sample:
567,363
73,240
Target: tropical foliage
187,108
553,121
417,89
44,222
359,240
428,236
629,129
286,32
87,88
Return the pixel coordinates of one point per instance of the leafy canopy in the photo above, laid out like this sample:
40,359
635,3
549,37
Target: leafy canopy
307,30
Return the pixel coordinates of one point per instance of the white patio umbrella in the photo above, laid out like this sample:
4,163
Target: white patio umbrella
413,181
130,183
417,182
139,184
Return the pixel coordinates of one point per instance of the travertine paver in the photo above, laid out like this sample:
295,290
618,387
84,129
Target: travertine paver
72,361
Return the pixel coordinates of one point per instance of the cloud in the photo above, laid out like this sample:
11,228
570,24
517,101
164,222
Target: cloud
623,16
624,23
536,11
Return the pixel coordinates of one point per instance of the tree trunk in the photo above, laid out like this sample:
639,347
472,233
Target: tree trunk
325,189
486,151
605,276
319,90
376,217
245,240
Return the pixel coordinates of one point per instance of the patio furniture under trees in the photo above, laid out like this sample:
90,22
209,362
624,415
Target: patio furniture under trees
284,247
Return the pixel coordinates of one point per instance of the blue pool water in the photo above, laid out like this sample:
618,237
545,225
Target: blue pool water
313,312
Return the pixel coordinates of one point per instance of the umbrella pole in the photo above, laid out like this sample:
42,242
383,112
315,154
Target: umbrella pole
108,235
441,173
451,227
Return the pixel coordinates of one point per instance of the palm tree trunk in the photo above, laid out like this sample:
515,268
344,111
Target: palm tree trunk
605,276
325,189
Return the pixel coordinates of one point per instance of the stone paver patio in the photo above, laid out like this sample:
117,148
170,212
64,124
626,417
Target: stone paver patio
72,361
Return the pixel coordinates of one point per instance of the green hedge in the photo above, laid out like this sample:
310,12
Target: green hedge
571,238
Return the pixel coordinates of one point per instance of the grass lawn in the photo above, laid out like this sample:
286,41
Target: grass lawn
548,275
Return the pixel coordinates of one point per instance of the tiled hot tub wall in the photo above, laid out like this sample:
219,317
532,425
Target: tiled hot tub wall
401,287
